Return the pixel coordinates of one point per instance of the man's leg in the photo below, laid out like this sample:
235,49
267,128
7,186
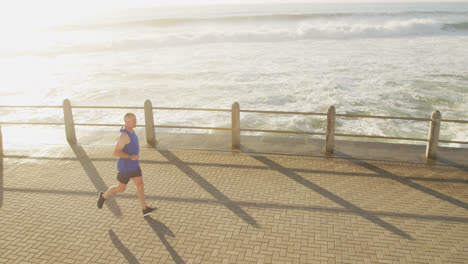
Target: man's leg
120,187
141,195
140,191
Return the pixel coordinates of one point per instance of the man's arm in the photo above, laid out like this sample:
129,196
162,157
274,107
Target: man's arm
123,140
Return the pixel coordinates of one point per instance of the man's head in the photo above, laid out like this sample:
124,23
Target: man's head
130,120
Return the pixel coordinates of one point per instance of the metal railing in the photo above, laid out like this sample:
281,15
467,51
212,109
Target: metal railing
432,140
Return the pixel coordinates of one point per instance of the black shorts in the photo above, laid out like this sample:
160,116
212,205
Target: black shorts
124,177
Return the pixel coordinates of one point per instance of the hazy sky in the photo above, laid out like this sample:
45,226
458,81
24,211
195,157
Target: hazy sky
267,1
136,3
270,1
145,2
104,4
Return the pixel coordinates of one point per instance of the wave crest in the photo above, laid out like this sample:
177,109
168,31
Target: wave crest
299,17
395,28
457,26
342,28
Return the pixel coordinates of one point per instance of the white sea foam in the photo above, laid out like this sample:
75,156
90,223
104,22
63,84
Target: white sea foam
166,32
401,63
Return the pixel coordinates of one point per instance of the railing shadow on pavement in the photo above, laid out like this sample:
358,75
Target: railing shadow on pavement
388,175
95,178
1,179
329,195
97,181
208,187
1,168
121,247
425,217
239,166
162,231
453,164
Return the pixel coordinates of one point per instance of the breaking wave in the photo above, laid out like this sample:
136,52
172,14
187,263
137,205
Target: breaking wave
302,31
176,21
163,32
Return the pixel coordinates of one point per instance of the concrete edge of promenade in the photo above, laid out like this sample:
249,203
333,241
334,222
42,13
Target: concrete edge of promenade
280,145
455,157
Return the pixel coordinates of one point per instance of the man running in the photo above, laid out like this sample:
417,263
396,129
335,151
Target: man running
128,166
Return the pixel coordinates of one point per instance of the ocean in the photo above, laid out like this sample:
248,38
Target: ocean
373,59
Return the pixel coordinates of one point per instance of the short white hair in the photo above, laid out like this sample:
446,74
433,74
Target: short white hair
128,115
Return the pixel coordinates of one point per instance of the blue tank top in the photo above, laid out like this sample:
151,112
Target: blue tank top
126,165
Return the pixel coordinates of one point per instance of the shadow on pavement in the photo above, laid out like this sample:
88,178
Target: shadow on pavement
95,178
335,198
1,173
239,166
255,204
386,174
453,164
162,231
218,195
121,247
1,168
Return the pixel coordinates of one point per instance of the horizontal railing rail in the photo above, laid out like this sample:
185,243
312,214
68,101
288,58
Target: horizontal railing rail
192,109
103,125
33,123
242,111
30,106
454,121
281,112
283,131
194,127
432,141
381,137
385,117
453,141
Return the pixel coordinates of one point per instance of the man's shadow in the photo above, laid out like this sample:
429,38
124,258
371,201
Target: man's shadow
121,247
95,178
162,231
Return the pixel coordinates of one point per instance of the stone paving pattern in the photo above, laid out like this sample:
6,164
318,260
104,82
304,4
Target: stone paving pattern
230,208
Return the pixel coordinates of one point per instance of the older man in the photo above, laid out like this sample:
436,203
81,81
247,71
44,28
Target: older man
128,166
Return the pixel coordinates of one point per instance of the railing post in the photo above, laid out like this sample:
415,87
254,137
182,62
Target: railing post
69,124
330,137
1,168
235,125
431,150
149,123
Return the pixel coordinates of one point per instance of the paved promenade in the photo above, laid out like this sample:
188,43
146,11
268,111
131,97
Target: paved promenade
223,207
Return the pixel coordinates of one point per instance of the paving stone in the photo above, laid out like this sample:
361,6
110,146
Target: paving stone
230,208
